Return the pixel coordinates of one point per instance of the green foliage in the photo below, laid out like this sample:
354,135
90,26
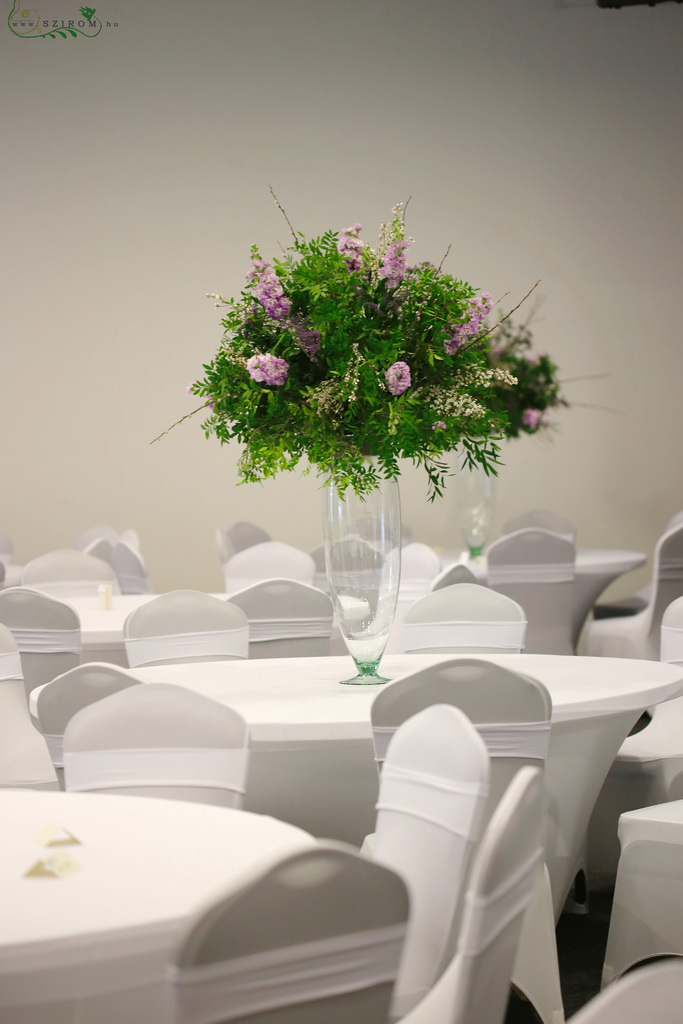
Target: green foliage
538,388
342,321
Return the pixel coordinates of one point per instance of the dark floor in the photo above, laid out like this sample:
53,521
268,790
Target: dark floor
581,941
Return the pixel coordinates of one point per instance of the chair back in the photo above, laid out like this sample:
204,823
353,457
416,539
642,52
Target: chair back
320,574
316,937
501,884
420,565
667,584
671,648
100,548
540,519
131,537
265,561
47,633
131,571
287,619
654,992
511,712
59,700
238,537
24,757
95,533
158,740
453,574
185,626
536,568
430,810
466,618
67,573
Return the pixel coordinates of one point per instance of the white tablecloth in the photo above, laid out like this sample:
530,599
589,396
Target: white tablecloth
312,758
145,866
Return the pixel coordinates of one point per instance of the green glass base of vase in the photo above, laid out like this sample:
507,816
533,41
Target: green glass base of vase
367,675
476,552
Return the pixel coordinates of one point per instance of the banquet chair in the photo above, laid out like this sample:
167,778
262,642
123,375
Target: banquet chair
287,619
131,571
24,757
634,602
536,569
185,626
430,811
638,636
320,574
236,538
453,574
420,565
131,537
158,740
512,713
100,548
59,700
66,573
95,533
475,987
645,922
654,993
47,633
268,560
649,766
464,618
540,519
314,938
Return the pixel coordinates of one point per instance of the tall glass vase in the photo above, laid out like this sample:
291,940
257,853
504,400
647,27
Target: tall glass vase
475,496
363,565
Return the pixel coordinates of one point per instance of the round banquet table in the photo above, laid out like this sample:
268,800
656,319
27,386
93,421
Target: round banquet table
312,758
596,569
68,944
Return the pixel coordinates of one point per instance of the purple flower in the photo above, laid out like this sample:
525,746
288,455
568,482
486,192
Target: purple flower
350,246
532,418
398,378
439,425
189,388
268,290
309,339
477,310
393,268
268,369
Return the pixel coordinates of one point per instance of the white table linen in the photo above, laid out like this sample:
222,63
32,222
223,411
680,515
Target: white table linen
145,866
312,760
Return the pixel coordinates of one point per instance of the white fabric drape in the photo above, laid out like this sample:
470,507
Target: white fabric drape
487,916
502,739
506,636
47,641
542,572
142,650
217,768
289,629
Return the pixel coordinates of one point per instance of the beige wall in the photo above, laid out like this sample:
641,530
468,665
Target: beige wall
540,138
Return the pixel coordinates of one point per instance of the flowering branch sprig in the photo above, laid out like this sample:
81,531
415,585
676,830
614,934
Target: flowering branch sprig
336,350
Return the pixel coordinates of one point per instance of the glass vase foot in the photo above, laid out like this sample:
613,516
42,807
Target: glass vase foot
367,675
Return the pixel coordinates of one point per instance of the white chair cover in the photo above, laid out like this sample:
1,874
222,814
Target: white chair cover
654,993
24,758
131,571
540,519
277,978
46,630
646,913
475,986
287,618
453,574
420,565
430,809
464,617
265,561
536,568
504,636
226,643
184,626
638,636
94,533
317,936
158,740
66,573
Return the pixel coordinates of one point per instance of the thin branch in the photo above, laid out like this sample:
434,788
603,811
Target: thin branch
445,257
282,211
480,337
182,419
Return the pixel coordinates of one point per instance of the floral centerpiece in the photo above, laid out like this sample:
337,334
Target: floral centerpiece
336,350
538,389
